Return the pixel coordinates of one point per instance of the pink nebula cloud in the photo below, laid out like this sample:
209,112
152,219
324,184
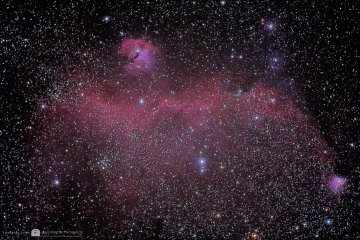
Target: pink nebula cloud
337,184
141,56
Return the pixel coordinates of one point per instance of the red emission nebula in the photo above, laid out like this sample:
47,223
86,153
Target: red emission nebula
191,151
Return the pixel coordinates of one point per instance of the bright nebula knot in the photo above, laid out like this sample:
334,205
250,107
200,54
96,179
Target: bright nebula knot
141,56
337,184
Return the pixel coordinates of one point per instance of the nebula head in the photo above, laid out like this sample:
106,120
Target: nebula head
141,56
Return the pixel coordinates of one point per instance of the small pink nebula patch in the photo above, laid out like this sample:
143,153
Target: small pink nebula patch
337,184
141,56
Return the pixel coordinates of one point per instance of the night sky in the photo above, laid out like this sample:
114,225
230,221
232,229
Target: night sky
180,119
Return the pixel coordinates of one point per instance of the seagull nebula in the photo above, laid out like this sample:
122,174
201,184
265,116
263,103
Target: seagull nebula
179,120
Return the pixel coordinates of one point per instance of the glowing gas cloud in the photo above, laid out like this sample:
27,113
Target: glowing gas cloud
141,56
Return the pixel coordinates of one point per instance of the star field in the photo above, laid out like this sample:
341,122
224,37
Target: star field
180,120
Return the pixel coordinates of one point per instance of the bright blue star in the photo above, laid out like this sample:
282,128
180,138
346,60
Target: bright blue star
106,19
202,164
328,221
270,26
142,101
56,182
